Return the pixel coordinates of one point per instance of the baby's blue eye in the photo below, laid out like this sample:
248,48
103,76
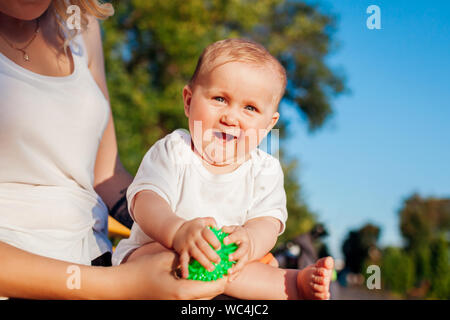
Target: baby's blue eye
251,108
220,99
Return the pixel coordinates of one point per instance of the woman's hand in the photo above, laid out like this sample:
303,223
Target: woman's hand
244,253
152,277
193,239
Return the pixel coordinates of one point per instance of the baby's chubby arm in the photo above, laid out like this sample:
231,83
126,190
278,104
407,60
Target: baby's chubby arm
255,239
190,238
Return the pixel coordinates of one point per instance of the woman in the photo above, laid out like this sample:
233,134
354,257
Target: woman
60,172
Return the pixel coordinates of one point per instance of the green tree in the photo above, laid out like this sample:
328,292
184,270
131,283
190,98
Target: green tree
357,245
423,220
300,218
440,265
397,270
151,49
422,261
425,226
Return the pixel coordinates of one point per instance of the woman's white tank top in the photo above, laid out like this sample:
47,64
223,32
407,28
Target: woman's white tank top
50,129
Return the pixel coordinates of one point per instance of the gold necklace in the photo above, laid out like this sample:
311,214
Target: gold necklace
26,57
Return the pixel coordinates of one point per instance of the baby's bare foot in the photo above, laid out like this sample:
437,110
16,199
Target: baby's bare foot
313,282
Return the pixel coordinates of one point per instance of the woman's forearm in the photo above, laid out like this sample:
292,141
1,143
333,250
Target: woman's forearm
26,275
113,192
29,276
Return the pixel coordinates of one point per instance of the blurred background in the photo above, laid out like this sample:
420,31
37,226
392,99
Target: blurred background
365,138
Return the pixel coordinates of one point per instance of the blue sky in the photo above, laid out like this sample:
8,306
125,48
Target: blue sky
390,136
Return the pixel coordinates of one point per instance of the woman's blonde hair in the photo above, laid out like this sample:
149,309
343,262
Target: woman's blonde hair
95,8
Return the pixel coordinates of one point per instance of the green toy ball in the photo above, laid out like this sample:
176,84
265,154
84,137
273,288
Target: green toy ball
198,272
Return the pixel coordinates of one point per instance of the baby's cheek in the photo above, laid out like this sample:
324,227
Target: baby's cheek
249,141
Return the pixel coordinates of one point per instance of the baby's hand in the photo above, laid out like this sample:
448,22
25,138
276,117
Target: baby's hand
192,239
243,254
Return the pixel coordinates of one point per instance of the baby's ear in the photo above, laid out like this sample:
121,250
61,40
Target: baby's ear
187,96
273,121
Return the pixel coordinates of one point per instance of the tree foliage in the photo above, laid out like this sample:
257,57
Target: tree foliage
422,268
357,245
398,270
300,218
440,269
424,220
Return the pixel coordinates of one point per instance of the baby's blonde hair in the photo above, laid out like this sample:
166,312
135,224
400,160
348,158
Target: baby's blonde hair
95,8
237,50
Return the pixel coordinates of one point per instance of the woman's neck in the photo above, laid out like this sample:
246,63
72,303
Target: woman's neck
16,29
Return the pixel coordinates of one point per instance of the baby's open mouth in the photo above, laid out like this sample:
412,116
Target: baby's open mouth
224,136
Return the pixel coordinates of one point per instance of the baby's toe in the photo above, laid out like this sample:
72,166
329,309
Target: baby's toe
319,280
319,288
327,263
322,295
325,296
326,273
320,272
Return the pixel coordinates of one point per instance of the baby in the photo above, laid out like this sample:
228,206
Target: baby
215,175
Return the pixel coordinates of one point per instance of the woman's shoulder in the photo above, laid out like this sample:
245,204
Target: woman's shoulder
94,50
92,39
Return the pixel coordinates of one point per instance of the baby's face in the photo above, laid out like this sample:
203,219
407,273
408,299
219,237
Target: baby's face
230,110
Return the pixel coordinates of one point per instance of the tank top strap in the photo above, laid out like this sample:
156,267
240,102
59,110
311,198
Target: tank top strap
79,51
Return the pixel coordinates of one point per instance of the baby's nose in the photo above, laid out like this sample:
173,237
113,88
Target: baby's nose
229,119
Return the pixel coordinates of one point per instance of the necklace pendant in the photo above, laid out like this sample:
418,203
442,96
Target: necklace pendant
26,57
